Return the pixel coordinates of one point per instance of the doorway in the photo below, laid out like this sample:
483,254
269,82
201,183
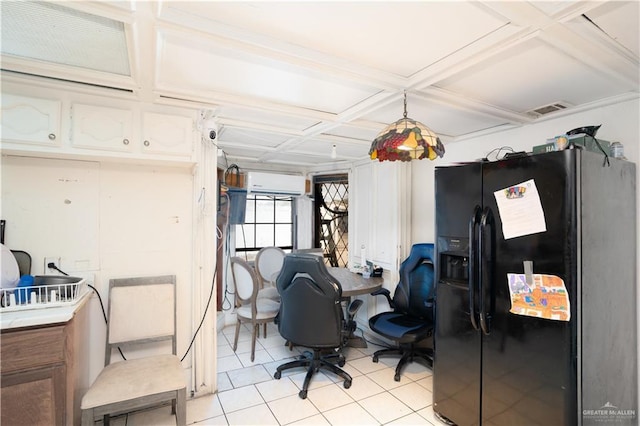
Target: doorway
331,218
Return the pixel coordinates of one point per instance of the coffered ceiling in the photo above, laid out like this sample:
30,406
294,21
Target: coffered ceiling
285,81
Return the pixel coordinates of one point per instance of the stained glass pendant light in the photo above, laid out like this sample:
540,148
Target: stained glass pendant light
406,140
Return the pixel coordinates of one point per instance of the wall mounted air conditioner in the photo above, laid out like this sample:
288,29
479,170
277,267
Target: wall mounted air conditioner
271,183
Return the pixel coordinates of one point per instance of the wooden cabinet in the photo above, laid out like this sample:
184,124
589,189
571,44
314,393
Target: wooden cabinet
40,368
166,134
30,120
94,127
380,228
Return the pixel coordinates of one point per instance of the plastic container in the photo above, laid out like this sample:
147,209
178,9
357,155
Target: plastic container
617,150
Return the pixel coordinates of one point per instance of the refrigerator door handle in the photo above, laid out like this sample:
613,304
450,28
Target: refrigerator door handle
485,264
473,253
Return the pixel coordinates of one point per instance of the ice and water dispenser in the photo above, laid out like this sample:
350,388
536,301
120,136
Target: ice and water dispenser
454,259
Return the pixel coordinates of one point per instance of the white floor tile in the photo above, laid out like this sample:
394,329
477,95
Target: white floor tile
416,371
317,420
250,395
260,357
384,407
426,382
248,376
351,414
385,378
428,414
291,409
225,350
329,397
280,352
318,379
224,383
228,363
413,395
238,399
206,407
410,420
363,387
273,340
365,365
258,415
276,389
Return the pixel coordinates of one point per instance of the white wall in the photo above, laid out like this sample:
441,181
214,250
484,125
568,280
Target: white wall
104,220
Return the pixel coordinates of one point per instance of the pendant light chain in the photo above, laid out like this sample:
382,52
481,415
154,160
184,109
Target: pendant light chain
405,104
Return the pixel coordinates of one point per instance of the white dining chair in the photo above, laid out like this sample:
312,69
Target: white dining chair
142,314
250,308
268,264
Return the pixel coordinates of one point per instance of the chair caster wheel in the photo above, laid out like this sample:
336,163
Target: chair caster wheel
303,394
347,384
341,363
375,358
396,377
277,375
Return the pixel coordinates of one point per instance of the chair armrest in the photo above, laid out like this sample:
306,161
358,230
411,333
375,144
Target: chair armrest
384,292
353,307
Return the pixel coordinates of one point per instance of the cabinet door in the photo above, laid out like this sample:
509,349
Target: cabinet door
35,397
380,228
167,134
30,120
101,128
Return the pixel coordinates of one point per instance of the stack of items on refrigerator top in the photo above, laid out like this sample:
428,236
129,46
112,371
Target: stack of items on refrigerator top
582,138
536,291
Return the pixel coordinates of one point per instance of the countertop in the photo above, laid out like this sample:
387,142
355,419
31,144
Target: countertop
41,316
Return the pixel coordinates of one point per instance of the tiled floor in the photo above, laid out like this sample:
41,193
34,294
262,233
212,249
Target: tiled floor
249,395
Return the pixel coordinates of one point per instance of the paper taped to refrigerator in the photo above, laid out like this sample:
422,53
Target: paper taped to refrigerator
546,297
520,210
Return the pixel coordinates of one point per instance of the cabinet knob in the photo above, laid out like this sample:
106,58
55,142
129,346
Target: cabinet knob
52,136
125,141
147,143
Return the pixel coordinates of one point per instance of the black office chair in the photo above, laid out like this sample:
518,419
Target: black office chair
311,316
411,320
24,261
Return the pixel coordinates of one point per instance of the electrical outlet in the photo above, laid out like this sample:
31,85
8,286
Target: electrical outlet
51,259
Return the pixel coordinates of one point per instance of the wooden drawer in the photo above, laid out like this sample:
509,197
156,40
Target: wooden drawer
28,349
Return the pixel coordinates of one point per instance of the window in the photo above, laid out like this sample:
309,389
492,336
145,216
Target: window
268,222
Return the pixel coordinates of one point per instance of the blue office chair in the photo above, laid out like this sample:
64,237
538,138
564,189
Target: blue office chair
411,320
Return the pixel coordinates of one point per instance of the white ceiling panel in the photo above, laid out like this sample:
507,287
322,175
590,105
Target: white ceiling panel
530,75
248,137
445,120
264,118
407,35
323,147
227,74
356,133
620,21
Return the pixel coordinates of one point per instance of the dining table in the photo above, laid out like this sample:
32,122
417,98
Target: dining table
355,284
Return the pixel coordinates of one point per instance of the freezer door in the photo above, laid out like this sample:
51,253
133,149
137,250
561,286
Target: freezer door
528,363
456,369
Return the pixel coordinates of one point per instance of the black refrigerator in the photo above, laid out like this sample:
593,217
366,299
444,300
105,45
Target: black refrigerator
536,291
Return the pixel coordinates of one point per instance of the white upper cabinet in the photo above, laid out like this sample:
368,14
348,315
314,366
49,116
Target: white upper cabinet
166,134
95,127
379,226
41,122
30,120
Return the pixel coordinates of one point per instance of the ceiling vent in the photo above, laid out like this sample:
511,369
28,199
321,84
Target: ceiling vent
548,109
49,32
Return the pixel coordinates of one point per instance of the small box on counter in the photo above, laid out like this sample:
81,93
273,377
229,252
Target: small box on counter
586,141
